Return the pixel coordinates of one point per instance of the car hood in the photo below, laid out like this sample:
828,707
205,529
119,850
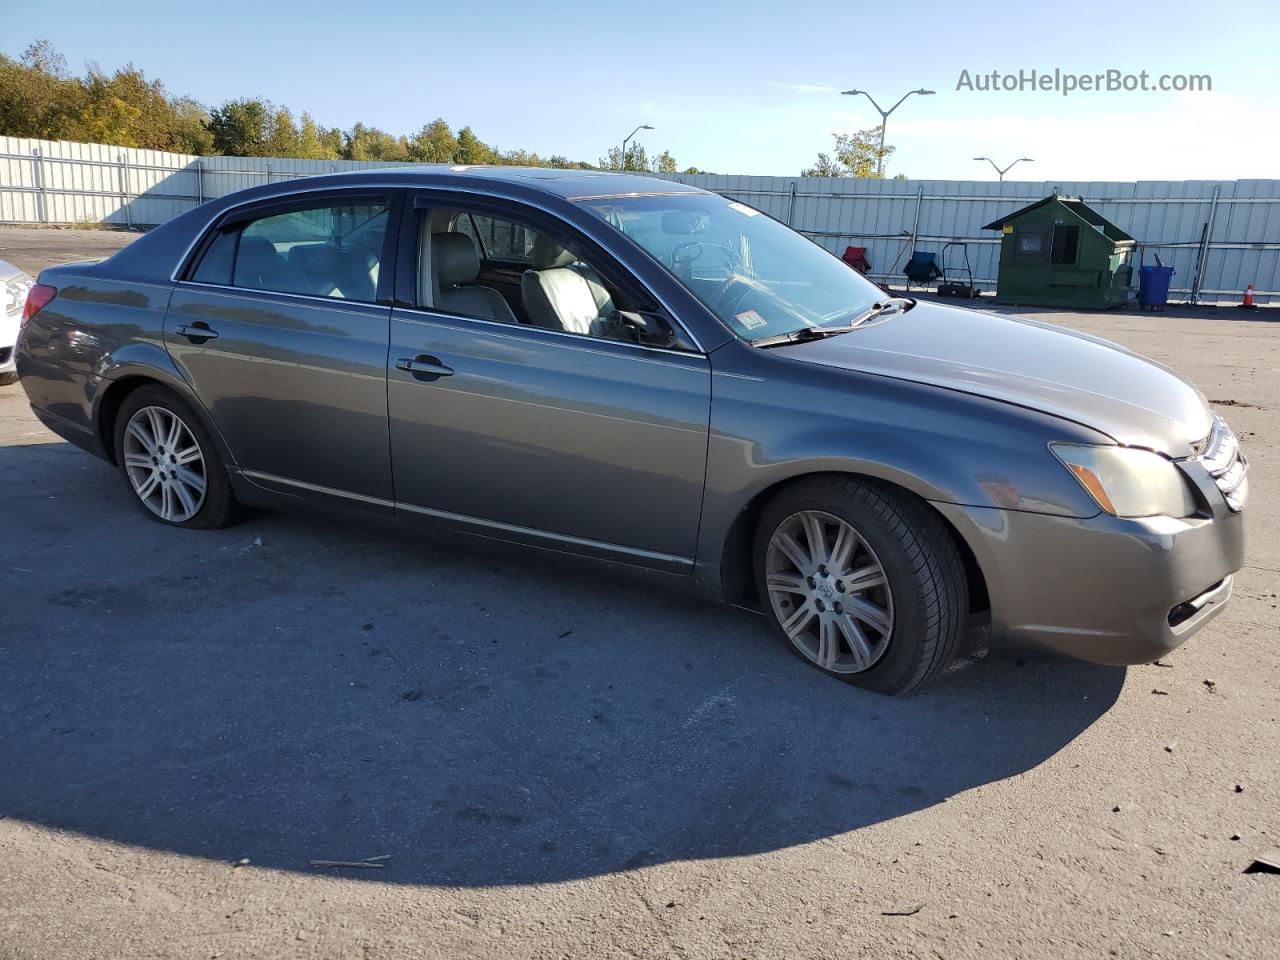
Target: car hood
1086,379
9,272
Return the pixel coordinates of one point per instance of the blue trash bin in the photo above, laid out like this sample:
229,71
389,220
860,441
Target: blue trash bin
1153,286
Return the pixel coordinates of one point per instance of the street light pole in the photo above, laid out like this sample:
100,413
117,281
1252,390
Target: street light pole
884,117
1008,168
643,126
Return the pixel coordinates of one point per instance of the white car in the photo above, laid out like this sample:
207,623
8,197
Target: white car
16,285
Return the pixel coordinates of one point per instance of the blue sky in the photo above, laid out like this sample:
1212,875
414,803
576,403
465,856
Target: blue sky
735,87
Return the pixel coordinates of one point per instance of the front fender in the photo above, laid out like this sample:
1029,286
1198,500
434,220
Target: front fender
774,423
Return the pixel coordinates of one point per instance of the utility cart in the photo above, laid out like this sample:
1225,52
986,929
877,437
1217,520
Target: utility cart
957,275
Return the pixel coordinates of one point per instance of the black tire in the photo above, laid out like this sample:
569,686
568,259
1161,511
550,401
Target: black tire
921,563
7,379
219,508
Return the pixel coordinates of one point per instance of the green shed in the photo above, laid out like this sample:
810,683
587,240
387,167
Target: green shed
1060,253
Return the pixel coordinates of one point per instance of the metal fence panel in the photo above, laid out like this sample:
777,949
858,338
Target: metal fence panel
67,183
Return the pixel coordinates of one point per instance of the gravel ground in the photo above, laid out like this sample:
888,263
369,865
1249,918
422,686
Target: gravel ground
562,760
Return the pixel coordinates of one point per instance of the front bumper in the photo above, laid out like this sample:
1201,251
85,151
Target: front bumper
1102,589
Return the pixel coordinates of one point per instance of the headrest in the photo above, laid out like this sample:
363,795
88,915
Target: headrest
259,248
316,258
547,254
257,261
454,258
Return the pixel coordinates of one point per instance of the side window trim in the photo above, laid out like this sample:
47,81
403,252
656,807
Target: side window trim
425,199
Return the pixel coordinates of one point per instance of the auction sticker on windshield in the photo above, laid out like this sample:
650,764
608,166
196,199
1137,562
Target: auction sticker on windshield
750,319
744,209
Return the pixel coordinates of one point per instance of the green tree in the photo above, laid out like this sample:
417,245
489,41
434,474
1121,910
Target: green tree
282,135
191,127
857,154
40,98
316,142
473,150
370,143
240,128
37,96
127,97
636,158
664,163
434,143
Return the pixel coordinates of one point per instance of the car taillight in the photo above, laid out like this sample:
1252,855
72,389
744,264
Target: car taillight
37,299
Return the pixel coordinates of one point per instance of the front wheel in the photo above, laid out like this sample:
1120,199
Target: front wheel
6,379
170,461
863,581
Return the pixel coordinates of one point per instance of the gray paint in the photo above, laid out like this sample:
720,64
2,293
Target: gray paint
647,456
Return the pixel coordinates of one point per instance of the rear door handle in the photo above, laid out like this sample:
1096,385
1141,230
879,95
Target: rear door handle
197,332
424,367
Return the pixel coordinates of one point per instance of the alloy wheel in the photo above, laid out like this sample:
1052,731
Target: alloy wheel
829,592
165,464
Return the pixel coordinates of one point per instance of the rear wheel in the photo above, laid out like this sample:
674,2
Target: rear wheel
863,581
170,461
8,378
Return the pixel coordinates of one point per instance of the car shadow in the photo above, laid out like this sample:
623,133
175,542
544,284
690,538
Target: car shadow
296,688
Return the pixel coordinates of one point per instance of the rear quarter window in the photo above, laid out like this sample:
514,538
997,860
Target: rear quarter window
215,265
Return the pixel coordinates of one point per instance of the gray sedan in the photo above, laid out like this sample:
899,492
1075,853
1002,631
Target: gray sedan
650,374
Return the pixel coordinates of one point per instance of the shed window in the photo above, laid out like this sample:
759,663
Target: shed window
1029,243
1066,244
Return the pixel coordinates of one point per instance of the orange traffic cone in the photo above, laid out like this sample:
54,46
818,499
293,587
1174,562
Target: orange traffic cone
1248,299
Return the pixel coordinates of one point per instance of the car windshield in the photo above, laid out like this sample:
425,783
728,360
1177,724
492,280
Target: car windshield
761,278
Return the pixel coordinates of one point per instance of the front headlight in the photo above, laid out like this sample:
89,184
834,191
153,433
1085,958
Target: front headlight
1127,482
15,293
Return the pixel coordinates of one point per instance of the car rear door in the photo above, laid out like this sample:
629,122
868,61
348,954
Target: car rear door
515,431
280,325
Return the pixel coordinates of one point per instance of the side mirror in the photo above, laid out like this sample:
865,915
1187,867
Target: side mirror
652,329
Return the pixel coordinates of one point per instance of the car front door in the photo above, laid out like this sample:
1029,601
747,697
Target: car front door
575,440
279,326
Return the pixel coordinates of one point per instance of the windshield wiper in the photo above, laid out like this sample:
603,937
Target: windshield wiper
806,334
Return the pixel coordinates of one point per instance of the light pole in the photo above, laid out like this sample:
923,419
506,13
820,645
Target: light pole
1008,168
643,126
884,118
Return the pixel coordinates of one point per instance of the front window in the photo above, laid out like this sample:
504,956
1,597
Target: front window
761,278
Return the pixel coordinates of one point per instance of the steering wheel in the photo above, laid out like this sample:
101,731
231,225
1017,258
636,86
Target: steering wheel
734,290
683,261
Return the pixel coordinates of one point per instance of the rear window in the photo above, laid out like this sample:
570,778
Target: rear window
330,250
497,239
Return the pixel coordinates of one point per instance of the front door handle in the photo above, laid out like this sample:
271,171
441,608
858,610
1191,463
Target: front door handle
424,367
198,332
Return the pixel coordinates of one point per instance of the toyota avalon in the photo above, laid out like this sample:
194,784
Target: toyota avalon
647,373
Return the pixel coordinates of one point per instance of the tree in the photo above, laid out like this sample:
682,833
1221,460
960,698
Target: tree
472,150
240,127
664,163
191,127
434,143
40,98
316,142
856,155
370,143
282,135
37,96
636,158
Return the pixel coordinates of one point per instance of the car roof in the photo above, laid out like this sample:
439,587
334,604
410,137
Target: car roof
570,184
